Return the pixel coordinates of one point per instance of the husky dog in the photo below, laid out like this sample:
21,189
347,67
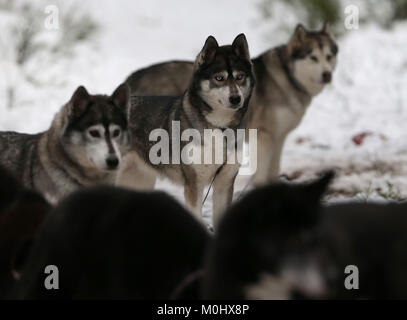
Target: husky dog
287,78
83,146
262,245
21,213
111,243
217,98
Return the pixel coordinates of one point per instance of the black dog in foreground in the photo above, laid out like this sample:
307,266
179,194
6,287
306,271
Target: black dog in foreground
21,213
280,243
371,237
111,243
276,243
262,245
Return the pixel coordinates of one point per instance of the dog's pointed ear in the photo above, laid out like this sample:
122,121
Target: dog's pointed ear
121,97
208,51
297,39
326,28
79,101
300,34
316,189
241,47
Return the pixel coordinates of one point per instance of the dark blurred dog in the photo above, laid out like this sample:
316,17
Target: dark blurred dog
371,237
262,245
113,243
21,213
280,243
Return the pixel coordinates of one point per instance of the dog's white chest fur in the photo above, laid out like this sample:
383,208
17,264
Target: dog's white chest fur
220,117
213,154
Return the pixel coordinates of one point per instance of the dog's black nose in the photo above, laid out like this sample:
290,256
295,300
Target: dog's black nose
327,77
235,100
112,162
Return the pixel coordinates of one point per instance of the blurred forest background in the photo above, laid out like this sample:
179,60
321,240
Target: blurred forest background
26,45
384,13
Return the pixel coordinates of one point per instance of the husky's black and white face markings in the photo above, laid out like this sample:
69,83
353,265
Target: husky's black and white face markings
223,78
97,132
314,58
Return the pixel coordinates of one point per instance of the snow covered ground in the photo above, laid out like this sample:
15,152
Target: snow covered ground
368,95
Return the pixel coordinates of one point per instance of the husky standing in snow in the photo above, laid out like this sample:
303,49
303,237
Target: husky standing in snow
83,146
287,79
217,98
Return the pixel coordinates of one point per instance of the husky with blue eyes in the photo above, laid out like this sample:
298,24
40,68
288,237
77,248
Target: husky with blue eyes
288,77
216,99
84,145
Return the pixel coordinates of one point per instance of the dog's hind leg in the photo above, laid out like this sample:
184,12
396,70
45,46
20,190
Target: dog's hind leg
135,175
193,193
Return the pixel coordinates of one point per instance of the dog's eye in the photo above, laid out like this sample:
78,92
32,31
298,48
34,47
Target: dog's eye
328,57
240,77
314,58
94,133
219,78
116,133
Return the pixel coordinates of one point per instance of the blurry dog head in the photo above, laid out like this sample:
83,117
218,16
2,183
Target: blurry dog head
272,229
313,58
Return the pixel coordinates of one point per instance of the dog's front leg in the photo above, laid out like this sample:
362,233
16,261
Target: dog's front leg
193,192
276,152
223,188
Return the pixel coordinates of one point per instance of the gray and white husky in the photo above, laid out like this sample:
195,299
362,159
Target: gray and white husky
217,98
287,79
83,146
